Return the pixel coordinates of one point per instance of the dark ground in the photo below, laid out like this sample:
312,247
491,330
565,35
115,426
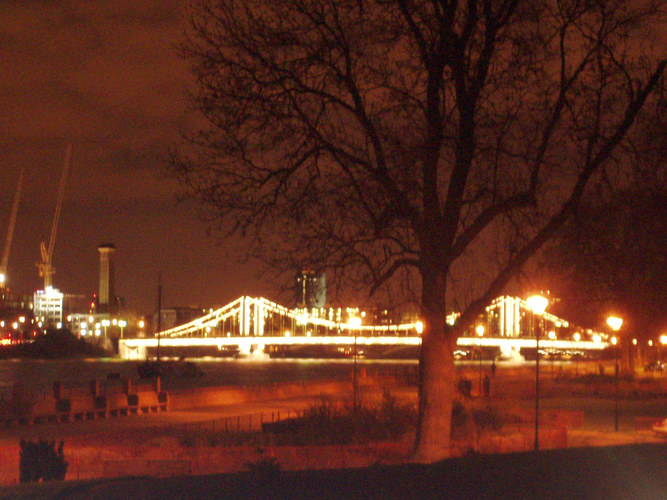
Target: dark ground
618,472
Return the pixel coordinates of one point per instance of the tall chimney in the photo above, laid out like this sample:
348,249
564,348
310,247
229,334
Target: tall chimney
106,292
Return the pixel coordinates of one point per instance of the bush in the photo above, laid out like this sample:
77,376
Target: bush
323,424
461,424
41,461
487,418
265,467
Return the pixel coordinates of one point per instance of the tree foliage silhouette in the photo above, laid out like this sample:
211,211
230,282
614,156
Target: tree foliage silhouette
429,146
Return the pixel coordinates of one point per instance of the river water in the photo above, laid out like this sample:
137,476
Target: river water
37,376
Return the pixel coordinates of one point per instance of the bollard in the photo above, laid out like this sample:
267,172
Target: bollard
57,389
95,388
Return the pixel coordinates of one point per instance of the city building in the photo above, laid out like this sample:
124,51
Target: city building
106,298
176,316
48,307
311,290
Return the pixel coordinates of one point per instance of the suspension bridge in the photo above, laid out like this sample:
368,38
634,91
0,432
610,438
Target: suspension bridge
255,325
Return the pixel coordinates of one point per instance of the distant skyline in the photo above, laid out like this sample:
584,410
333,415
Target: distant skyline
105,77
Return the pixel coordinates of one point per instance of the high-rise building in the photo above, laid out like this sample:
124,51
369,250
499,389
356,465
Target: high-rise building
311,289
106,297
49,307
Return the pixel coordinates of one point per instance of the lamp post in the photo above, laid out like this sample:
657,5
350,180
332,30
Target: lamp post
105,324
615,323
552,337
537,305
355,323
577,338
480,332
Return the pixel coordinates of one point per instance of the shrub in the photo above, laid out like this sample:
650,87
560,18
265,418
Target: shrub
461,424
264,467
41,461
487,418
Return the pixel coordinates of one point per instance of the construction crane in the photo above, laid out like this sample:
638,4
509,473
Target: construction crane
10,232
46,269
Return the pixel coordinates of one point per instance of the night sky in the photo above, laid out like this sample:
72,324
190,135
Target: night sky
105,77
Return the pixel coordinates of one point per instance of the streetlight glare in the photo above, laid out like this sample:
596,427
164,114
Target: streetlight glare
355,322
614,340
480,330
537,303
419,327
615,322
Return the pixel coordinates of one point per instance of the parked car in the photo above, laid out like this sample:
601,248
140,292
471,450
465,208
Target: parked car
654,366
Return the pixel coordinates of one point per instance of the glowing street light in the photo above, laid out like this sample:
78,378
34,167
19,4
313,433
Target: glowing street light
480,333
615,323
105,325
355,323
537,304
552,337
122,324
419,327
577,338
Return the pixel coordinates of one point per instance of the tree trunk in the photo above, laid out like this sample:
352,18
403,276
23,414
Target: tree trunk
436,390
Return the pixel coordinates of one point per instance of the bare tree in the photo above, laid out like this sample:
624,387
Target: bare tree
617,248
423,140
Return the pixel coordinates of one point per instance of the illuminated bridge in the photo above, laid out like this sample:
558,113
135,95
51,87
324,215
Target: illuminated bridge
256,325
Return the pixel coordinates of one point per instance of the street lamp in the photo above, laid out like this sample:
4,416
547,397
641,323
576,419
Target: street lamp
537,305
105,325
355,323
552,337
480,332
577,338
419,327
615,323
122,324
